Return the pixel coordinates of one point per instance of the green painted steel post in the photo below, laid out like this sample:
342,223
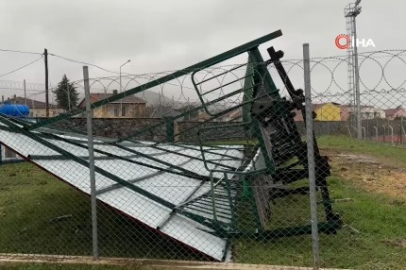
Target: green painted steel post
246,115
246,187
248,92
230,201
263,77
213,201
170,130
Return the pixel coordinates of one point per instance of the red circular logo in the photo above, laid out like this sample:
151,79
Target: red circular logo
347,41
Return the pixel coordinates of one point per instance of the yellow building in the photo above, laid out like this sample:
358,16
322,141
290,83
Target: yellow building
327,111
324,112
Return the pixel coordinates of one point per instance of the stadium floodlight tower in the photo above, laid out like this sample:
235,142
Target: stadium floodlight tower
351,11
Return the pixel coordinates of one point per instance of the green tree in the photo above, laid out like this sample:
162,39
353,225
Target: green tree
67,96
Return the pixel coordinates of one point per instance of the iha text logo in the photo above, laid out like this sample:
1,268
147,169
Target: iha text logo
346,42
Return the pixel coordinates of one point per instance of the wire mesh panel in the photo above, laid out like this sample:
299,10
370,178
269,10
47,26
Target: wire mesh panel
211,163
362,169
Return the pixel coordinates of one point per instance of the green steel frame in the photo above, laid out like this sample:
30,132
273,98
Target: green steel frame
209,62
258,85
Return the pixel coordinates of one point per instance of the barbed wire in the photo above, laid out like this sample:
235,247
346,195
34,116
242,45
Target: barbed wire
378,76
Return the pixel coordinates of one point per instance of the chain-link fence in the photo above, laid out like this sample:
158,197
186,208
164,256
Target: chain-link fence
215,162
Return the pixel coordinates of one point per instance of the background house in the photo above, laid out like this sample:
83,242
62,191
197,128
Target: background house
37,108
396,113
324,112
127,107
367,112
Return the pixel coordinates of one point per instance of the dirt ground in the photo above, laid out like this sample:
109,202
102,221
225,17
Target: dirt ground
370,173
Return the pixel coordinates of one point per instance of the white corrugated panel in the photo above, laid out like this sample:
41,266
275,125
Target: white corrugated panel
175,189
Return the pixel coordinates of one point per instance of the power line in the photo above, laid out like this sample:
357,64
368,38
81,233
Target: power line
26,65
14,51
96,66
80,62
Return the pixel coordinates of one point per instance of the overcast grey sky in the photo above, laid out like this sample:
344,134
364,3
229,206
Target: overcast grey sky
171,34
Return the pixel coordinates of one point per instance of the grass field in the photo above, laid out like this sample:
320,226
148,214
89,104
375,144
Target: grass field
71,267
375,218
31,202
394,155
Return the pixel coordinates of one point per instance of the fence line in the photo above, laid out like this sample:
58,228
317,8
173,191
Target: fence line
222,168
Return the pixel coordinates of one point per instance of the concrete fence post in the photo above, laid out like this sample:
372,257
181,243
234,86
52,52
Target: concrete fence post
311,159
91,163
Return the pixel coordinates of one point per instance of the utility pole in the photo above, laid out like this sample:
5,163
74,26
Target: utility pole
46,82
121,104
67,90
357,93
25,93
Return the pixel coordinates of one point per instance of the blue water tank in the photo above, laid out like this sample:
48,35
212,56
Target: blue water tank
14,110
